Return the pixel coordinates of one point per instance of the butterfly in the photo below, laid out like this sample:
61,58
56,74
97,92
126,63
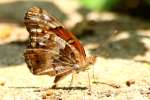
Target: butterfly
52,50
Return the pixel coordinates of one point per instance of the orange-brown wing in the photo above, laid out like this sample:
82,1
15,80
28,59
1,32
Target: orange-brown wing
50,23
70,38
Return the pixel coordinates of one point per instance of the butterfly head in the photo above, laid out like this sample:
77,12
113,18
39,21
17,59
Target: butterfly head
85,66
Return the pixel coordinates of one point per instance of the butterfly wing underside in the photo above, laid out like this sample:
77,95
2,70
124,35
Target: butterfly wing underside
52,50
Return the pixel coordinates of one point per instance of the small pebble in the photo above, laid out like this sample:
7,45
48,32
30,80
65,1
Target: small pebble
130,82
49,92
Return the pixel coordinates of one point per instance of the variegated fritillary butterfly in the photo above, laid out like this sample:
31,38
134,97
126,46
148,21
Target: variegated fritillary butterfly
52,50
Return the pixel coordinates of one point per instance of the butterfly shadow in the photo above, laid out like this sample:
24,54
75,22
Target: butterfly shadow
24,87
57,88
70,88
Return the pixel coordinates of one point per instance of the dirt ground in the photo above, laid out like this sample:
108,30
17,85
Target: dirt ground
121,72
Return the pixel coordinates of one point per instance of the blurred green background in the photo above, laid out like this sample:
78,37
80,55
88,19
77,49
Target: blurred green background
137,8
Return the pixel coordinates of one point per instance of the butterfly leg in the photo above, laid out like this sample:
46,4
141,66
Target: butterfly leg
56,80
59,77
89,82
72,78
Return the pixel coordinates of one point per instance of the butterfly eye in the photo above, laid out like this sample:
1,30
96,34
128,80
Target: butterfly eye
76,66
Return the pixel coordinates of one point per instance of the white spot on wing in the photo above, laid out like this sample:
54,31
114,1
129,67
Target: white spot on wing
46,17
33,37
36,30
61,43
35,19
41,44
39,30
33,44
33,30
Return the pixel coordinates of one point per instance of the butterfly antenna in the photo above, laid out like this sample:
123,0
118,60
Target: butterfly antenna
104,43
108,40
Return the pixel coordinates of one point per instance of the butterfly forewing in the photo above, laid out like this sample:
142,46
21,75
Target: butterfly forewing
44,20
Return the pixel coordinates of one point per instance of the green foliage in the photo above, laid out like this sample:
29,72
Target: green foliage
99,4
148,2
